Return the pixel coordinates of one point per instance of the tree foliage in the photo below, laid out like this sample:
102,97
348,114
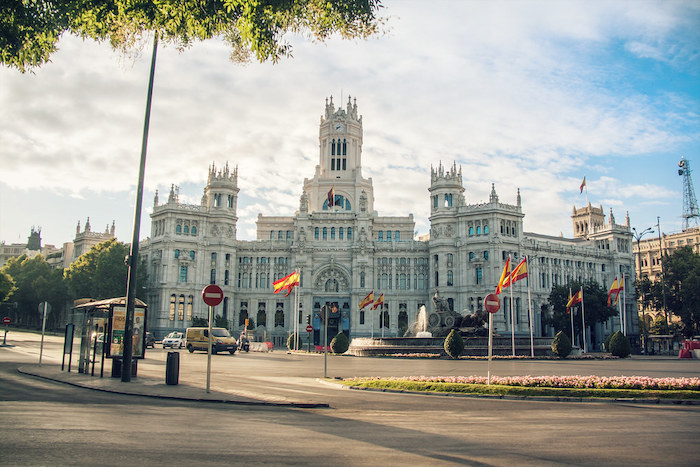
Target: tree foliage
35,282
101,272
7,286
561,345
30,30
620,345
595,299
340,343
682,277
454,344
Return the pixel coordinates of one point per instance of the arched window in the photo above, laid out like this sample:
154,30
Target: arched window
325,233
471,231
345,148
190,301
340,233
177,253
486,255
380,236
178,229
279,318
396,236
186,230
362,279
280,235
316,233
388,235
385,282
181,308
192,255
349,233
486,230
471,256
272,234
332,233
173,299
333,148
194,230
478,230
450,278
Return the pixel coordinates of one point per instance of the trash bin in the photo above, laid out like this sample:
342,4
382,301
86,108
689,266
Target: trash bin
117,367
172,368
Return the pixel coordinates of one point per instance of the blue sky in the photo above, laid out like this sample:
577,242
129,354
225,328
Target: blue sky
524,94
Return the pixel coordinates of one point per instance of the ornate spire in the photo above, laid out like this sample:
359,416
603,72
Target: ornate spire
493,198
519,200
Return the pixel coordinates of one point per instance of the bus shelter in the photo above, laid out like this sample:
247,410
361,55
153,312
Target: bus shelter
100,325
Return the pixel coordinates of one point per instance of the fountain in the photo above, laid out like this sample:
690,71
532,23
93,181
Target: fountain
427,335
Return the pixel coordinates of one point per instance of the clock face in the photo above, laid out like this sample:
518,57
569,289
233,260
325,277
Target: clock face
339,127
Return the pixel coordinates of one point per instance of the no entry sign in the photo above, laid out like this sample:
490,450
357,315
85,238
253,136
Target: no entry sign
6,320
212,295
492,303
309,328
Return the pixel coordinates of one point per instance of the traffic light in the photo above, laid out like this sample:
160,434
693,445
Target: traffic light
308,319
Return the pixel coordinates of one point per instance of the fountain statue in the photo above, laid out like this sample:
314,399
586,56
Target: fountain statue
437,323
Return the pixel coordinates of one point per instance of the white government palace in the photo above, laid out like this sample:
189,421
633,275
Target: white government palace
348,249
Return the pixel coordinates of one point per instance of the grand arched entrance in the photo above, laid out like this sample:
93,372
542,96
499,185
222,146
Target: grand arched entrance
332,302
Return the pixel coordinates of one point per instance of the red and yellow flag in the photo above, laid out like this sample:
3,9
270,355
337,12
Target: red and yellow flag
614,290
583,185
367,300
505,277
577,298
331,197
520,272
286,283
378,301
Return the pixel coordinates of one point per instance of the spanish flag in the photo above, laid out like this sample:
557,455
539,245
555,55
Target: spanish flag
614,290
520,272
505,277
577,298
367,300
583,185
331,197
286,283
378,301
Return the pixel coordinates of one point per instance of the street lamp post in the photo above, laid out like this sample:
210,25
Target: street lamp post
638,236
663,274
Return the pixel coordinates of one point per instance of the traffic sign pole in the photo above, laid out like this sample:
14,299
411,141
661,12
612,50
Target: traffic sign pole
43,328
212,296
492,303
6,321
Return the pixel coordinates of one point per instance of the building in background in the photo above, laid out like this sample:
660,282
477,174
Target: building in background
344,249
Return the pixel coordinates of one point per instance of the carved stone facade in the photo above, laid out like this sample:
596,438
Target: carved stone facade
344,249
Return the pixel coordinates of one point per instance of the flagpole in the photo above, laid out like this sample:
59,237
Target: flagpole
571,313
512,319
296,316
583,320
529,306
622,305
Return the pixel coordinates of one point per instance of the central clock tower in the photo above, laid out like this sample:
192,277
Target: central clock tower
340,162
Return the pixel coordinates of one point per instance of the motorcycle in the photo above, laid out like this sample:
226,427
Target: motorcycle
244,344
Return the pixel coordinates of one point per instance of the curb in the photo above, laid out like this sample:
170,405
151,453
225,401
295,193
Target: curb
653,401
298,405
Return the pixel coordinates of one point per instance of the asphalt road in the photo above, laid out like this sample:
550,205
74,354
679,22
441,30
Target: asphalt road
43,422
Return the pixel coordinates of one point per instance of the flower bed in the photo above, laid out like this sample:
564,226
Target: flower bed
577,382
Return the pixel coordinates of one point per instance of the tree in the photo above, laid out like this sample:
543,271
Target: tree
595,300
682,277
100,272
7,285
454,344
29,31
35,282
561,345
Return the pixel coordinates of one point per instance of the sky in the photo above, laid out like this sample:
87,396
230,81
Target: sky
529,95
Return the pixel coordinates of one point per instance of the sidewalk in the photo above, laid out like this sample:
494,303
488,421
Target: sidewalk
149,386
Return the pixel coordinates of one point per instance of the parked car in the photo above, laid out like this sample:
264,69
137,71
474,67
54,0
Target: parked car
174,340
150,340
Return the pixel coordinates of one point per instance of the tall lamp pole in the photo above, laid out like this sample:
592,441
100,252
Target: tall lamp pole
132,259
638,236
663,275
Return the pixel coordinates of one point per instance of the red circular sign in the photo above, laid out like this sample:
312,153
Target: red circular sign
212,295
6,320
492,303
309,328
